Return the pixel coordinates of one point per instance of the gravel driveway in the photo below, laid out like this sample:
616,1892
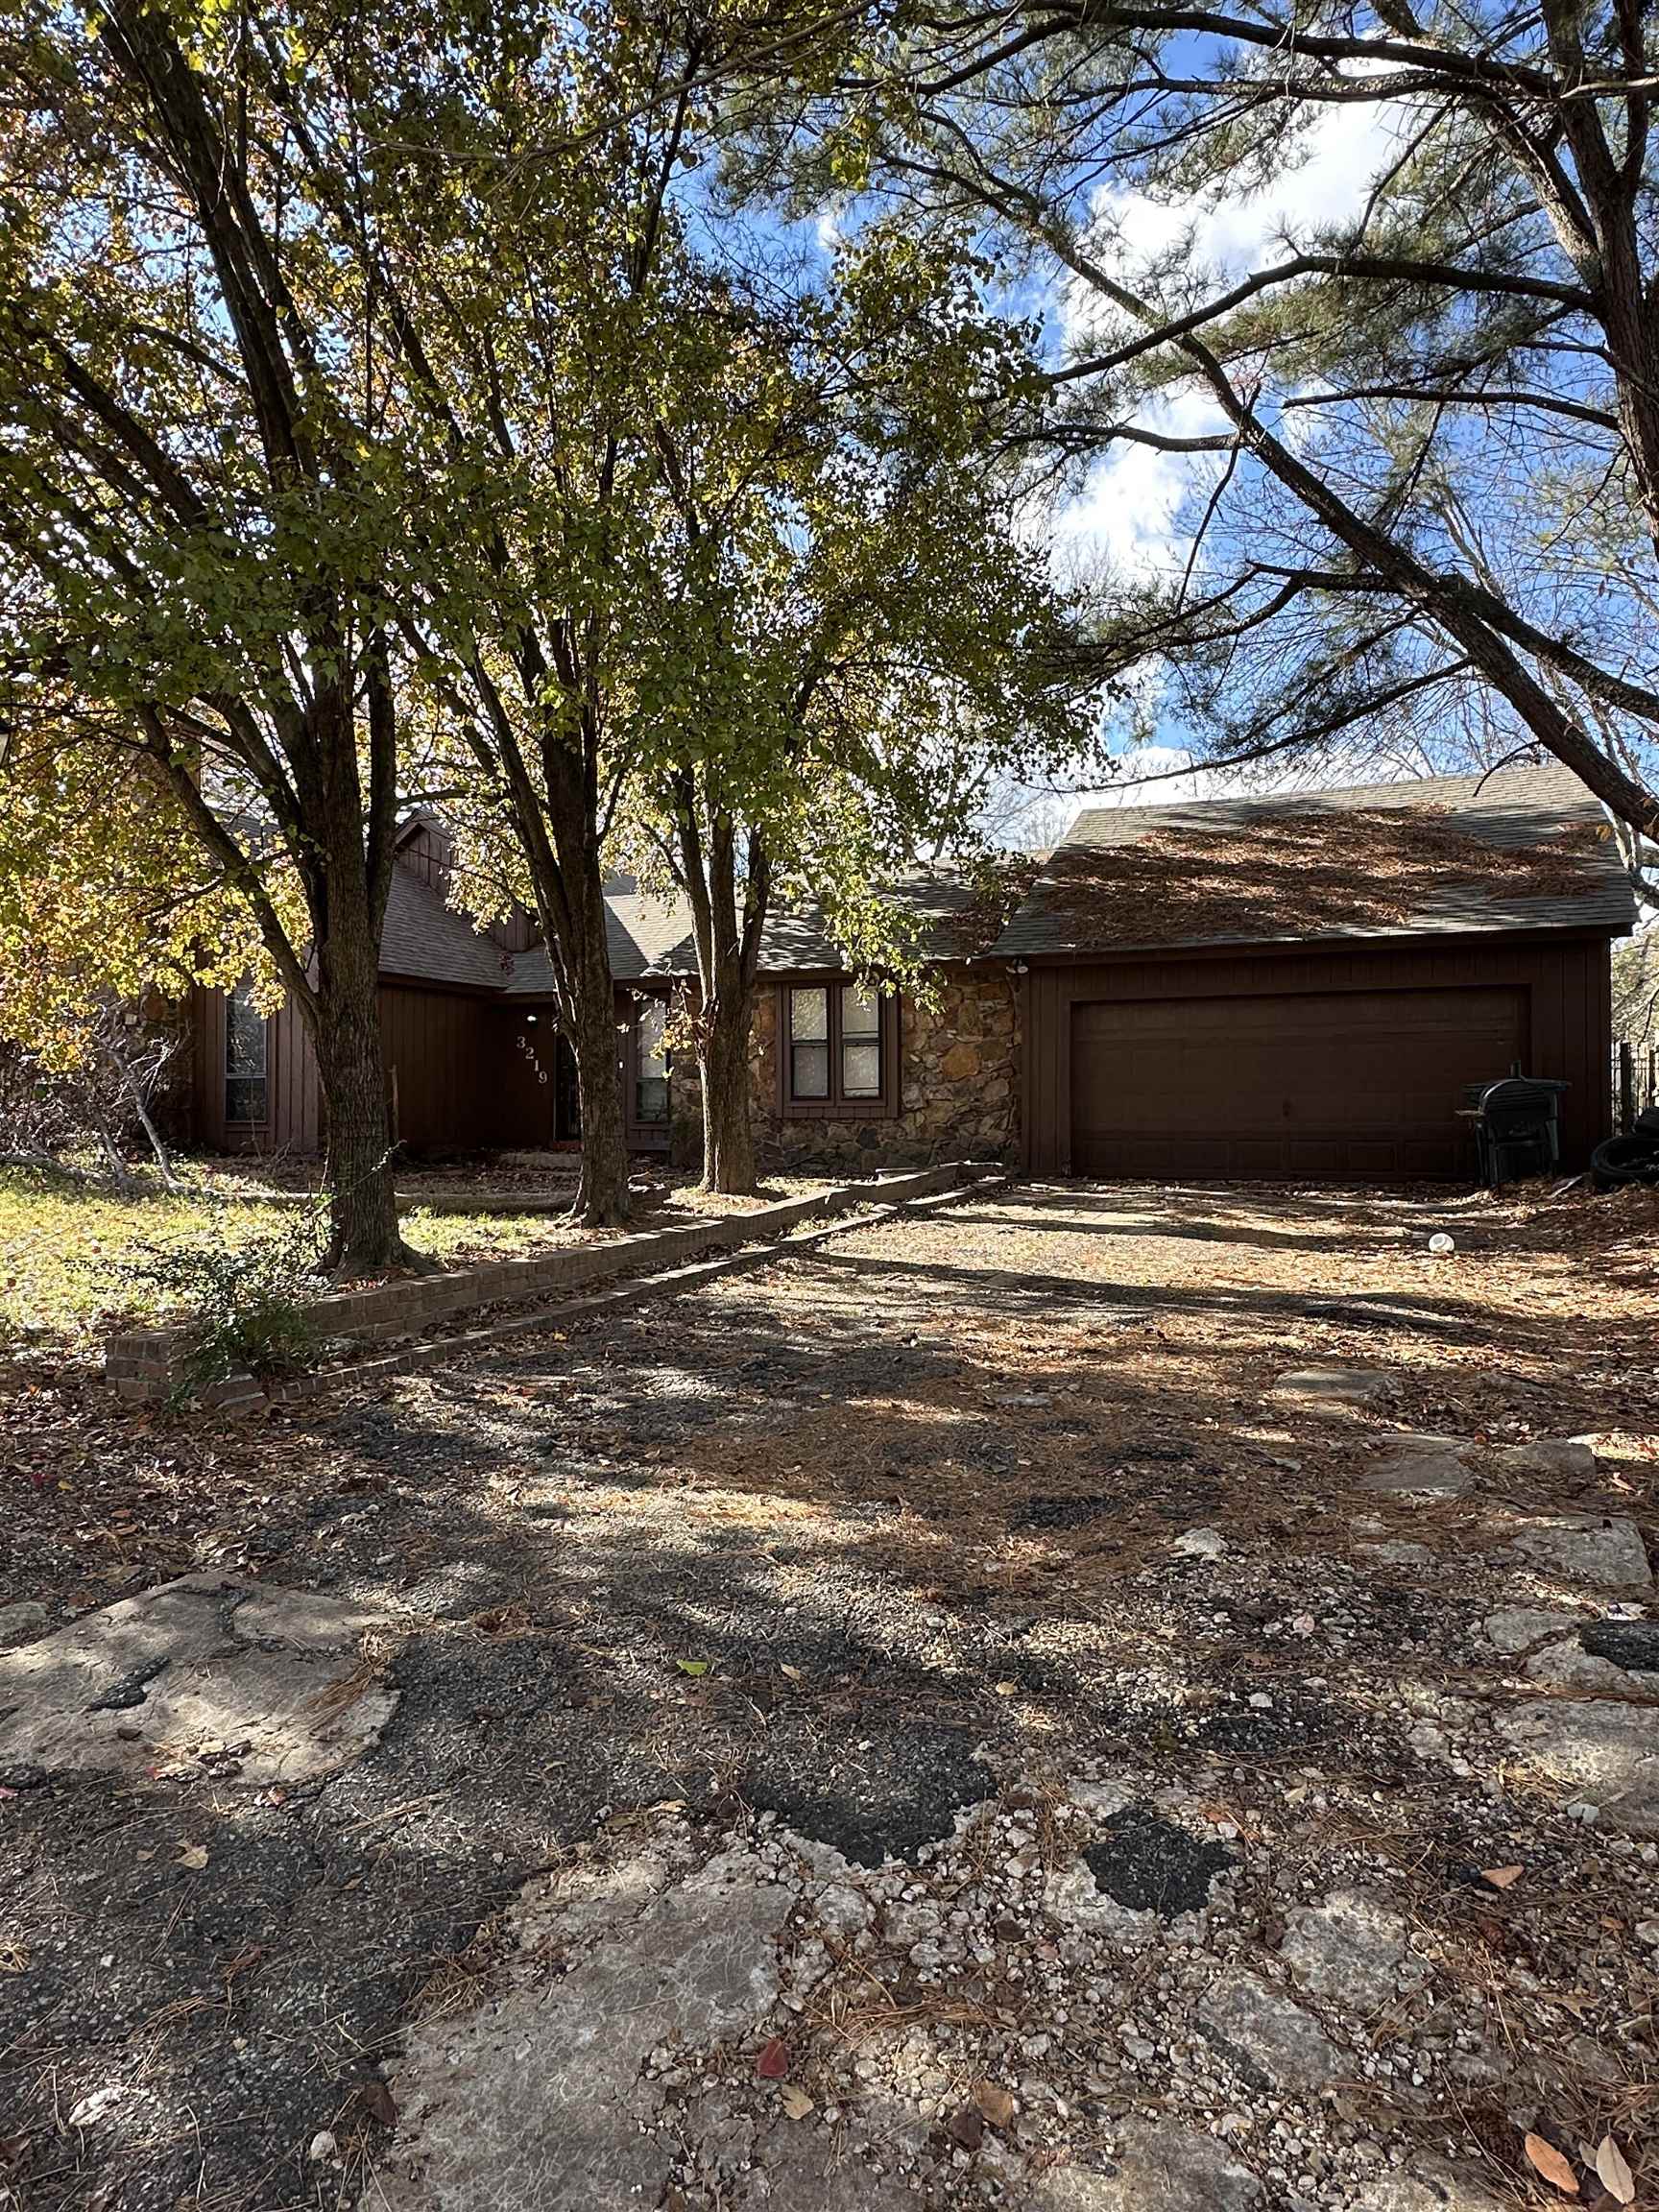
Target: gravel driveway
941,1722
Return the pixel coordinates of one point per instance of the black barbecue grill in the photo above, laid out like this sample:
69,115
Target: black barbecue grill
1517,1127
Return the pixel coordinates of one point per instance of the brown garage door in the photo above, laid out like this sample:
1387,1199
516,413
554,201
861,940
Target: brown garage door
1342,1084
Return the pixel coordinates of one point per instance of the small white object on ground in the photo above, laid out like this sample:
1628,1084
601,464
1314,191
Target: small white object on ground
1200,1543
1441,1244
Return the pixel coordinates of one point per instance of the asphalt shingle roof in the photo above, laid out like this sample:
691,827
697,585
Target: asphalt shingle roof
947,911
432,943
1277,871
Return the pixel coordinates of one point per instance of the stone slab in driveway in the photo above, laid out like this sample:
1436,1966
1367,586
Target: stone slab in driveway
802,2170
1604,1752
1319,1386
539,2097
1427,2192
1351,1951
1271,2040
1162,2169
1602,1549
1420,1467
209,1664
1516,1628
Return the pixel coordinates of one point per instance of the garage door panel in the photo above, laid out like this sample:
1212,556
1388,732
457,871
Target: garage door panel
1311,1086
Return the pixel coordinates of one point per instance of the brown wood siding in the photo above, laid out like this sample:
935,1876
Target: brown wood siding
297,1098
293,1117
467,1073
1563,984
207,1080
438,1054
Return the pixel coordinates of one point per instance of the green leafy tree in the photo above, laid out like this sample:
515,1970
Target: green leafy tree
863,640
543,315
204,523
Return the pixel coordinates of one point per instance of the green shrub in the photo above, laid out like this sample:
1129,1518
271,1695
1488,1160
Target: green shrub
247,1305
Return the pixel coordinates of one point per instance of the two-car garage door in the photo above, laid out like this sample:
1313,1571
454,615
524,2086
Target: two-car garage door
1339,1084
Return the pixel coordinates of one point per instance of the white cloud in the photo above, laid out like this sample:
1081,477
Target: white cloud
1128,516
1229,233
1132,512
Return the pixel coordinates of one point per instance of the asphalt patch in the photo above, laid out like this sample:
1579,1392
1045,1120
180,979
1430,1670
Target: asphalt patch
1633,1645
880,1798
1149,1865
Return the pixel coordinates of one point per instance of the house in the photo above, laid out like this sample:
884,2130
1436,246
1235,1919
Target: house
1303,986
469,1023
1294,987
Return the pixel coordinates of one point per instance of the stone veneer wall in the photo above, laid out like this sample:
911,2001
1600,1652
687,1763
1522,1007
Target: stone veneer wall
959,1083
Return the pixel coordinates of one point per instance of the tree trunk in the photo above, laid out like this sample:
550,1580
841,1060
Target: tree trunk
135,1091
723,1031
364,1238
590,1014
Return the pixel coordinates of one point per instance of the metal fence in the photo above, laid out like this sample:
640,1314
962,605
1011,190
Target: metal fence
1635,1080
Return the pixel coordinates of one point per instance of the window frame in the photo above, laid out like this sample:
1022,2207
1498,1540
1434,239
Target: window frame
645,1008
837,1106
262,1120
641,1136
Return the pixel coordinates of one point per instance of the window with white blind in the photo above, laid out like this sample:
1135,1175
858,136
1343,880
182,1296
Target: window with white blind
837,1055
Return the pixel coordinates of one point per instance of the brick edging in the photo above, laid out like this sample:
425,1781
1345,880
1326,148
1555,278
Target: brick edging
145,1365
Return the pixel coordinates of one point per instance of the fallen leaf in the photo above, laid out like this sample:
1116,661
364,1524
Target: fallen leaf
1006,1689
323,2146
793,1672
377,2101
192,1856
795,2100
1501,1877
1550,2162
692,1666
968,2127
996,2103
773,2063
1614,2172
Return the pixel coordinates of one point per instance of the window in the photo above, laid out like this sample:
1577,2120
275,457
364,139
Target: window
837,1057
245,1064
651,1064
860,1043
810,1043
